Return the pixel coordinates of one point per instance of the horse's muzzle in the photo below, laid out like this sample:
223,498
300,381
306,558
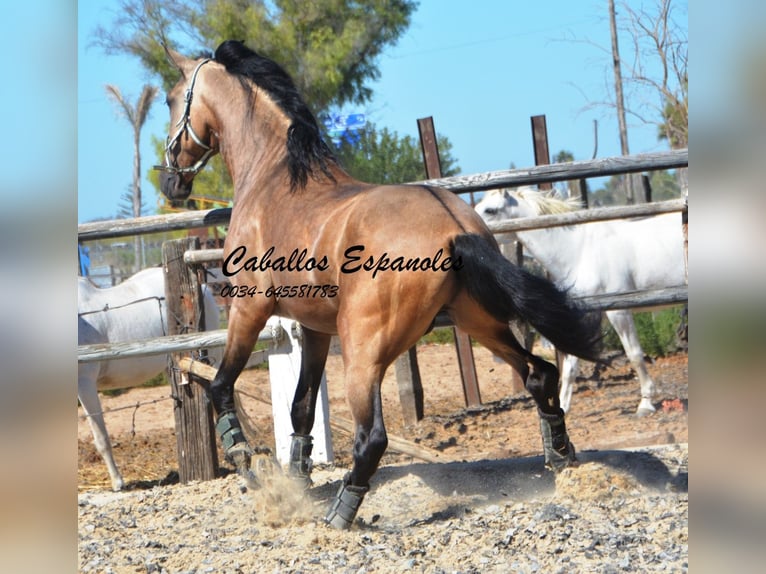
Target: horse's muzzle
174,186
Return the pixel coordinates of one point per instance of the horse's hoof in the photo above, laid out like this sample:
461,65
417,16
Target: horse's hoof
558,461
265,467
301,481
240,456
645,411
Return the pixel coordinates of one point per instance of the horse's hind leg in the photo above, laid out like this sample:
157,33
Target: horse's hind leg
313,357
88,394
540,378
370,440
623,323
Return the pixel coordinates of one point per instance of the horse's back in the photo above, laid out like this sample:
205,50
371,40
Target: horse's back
656,245
622,255
419,210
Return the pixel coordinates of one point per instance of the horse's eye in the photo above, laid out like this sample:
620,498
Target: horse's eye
490,210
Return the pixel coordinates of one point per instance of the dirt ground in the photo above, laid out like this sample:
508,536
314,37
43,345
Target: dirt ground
142,427
492,509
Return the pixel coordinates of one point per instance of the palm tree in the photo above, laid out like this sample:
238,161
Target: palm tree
137,117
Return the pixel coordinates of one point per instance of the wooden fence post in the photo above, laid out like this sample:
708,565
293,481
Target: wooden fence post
462,340
195,435
542,157
410,386
540,142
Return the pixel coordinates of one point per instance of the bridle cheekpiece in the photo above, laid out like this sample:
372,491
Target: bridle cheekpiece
184,126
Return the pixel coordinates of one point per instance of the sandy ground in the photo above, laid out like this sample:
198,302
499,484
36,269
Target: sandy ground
493,509
142,427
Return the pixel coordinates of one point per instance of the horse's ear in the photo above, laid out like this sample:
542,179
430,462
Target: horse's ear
181,63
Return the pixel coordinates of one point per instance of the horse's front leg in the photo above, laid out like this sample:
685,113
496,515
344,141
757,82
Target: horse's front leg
244,326
313,358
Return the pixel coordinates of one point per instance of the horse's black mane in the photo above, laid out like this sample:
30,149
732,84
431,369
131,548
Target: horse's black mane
305,147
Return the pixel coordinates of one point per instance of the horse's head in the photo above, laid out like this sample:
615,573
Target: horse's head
498,205
501,204
193,138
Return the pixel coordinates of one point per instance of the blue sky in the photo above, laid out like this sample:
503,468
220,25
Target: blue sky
481,69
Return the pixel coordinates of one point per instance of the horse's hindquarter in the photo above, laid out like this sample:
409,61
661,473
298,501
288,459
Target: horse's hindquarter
659,252
397,267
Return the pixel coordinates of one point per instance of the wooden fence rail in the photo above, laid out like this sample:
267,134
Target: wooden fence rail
563,171
584,216
157,346
589,215
209,339
460,184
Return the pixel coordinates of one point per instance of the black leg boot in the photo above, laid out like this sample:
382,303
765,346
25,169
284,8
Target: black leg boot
345,506
300,459
559,452
235,447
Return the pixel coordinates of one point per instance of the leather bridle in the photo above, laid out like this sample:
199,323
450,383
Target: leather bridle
184,126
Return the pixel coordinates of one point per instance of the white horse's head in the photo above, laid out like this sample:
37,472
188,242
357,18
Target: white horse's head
502,204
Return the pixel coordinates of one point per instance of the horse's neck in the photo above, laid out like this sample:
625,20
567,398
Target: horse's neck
253,136
556,248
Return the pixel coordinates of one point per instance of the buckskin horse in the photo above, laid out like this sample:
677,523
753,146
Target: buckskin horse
372,264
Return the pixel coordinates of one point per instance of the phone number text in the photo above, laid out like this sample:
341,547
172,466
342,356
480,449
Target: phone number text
282,292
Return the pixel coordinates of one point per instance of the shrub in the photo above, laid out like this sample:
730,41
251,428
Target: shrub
439,336
656,332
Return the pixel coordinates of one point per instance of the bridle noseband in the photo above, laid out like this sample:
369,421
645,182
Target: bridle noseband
184,126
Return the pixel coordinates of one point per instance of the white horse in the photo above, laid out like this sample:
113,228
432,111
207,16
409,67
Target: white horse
133,310
597,258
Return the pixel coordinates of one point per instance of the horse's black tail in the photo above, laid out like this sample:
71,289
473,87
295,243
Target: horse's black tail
509,292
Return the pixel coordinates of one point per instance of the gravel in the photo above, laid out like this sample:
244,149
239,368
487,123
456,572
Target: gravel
618,511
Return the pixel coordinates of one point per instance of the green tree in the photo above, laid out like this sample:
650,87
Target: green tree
658,31
125,206
654,63
664,186
675,125
381,156
329,47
